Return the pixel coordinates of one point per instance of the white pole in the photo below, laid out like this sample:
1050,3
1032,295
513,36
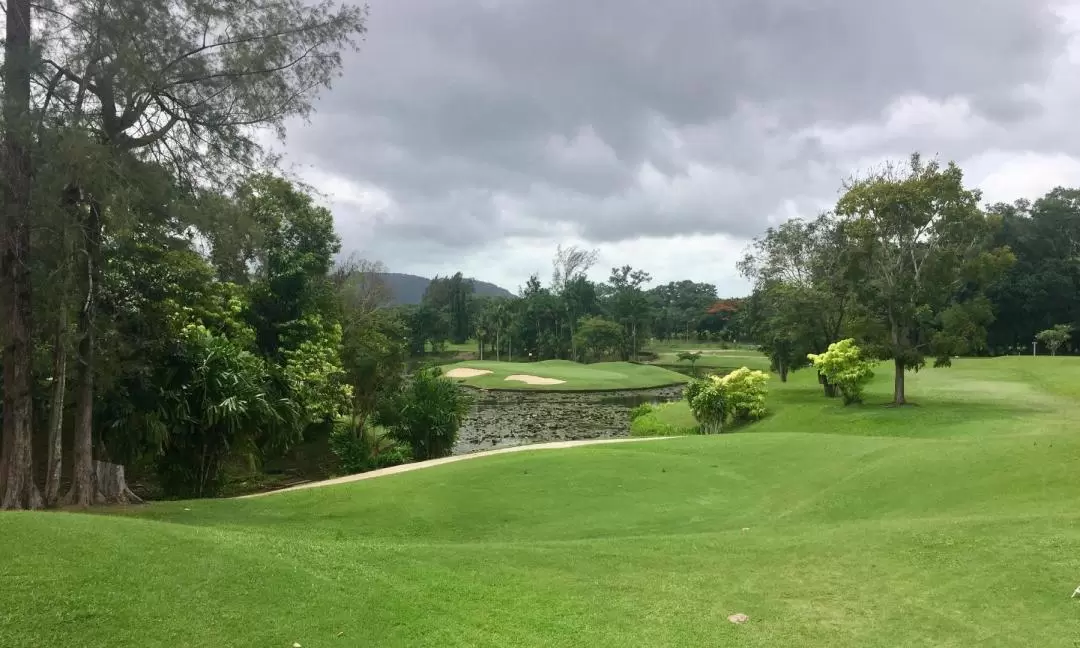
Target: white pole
1034,343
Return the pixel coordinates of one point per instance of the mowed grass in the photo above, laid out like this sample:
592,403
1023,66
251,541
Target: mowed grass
601,376
665,419
955,522
713,358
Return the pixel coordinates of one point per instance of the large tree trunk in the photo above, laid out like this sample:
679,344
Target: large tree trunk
54,464
830,389
573,343
56,413
898,363
17,486
898,382
84,489
112,483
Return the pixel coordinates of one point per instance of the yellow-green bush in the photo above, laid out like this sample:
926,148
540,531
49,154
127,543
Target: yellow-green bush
844,365
739,396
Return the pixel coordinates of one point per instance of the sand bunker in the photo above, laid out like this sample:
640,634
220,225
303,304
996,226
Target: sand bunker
465,372
535,380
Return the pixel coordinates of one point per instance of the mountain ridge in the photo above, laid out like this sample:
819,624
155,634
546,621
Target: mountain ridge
408,289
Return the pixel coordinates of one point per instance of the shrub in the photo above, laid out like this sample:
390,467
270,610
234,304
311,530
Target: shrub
745,392
845,366
427,413
707,403
740,395
641,410
361,446
693,388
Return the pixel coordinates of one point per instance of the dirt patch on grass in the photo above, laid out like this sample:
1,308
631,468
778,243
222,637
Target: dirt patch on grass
534,380
465,372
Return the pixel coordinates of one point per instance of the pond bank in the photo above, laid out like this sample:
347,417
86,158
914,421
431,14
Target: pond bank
503,419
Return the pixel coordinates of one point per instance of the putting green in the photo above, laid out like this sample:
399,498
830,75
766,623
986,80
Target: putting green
602,376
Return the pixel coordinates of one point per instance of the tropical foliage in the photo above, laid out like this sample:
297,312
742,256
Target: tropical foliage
426,414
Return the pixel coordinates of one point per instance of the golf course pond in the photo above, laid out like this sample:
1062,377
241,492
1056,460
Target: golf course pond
500,419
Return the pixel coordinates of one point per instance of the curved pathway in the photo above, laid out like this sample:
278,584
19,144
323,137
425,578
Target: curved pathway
431,463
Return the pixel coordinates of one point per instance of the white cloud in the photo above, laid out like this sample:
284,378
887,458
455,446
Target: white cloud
1004,177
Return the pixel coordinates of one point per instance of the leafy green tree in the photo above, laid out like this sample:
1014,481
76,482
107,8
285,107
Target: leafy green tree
452,297
294,307
570,284
1054,338
785,339
503,320
426,326
921,257
629,304
598,338
680,308
803,297
313,373
1043,287
692,357
537,320
293,245
374,357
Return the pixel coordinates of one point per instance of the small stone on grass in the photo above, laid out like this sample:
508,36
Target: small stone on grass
738,618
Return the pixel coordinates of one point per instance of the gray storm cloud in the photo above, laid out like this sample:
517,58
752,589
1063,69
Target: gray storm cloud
625,118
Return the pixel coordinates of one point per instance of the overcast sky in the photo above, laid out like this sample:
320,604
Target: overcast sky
477,135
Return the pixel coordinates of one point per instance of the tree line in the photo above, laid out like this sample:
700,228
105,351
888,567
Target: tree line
913,268
571,317
163,302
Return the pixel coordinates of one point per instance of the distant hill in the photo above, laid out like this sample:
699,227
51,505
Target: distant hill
409,289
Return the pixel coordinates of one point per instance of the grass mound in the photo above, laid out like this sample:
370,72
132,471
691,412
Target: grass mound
602,376
954,523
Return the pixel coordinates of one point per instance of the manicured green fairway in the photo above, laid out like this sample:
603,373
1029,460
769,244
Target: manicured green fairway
952,523
577,377
713,358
